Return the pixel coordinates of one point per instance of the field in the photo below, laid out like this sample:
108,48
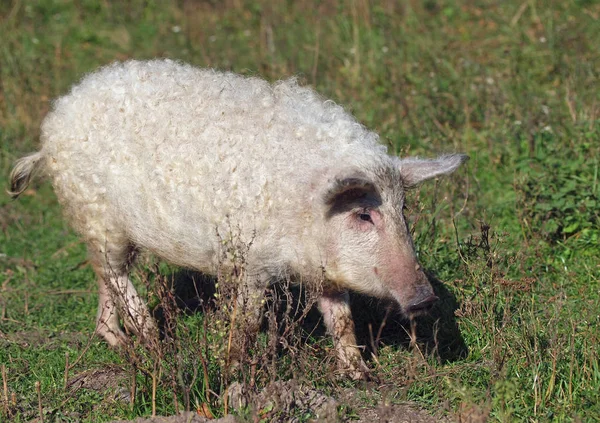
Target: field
511,241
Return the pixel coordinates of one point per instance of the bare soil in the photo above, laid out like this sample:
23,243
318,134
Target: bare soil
281,401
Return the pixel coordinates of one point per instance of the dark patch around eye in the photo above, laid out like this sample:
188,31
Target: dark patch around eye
348,188
352,195
352,199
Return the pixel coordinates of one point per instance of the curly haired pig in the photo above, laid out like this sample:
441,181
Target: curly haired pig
168,157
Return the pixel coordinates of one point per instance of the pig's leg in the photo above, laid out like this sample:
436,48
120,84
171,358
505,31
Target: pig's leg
250,305
117,295
248,317
335,307
107,319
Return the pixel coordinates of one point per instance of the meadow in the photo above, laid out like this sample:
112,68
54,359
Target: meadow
511,241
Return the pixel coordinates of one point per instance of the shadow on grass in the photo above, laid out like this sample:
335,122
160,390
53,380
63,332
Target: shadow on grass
438,332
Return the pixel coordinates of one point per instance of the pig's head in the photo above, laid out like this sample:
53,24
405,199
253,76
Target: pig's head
368,245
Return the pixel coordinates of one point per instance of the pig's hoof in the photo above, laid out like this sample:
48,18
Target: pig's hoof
357,371
116,338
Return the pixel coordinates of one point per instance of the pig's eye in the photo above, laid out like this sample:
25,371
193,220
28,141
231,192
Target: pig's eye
366,217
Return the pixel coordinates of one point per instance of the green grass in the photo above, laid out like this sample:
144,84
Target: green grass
515,237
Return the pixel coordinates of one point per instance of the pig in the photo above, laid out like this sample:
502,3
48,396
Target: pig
166,157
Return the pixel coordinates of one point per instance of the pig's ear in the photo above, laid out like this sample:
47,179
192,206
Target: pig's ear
347,189
415,170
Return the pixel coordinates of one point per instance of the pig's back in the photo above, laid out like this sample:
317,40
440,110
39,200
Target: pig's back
172,152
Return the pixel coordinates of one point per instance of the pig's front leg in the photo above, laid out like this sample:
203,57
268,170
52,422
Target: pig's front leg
245,320
335,307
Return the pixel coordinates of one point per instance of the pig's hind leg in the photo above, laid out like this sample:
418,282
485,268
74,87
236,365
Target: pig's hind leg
111,259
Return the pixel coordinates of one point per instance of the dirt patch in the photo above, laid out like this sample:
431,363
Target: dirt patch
290,401
356,400
181,418
102,380
398,413
287,401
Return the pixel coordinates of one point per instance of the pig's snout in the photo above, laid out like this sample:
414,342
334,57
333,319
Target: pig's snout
423,298
412,290
423,303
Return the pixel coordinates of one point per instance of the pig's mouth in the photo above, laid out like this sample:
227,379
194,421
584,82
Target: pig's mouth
423,306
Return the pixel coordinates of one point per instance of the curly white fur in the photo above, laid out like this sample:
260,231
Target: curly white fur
173,158
158,140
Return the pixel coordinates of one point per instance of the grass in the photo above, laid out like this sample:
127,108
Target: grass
514,237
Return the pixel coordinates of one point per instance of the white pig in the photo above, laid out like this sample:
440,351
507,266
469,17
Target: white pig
168,157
